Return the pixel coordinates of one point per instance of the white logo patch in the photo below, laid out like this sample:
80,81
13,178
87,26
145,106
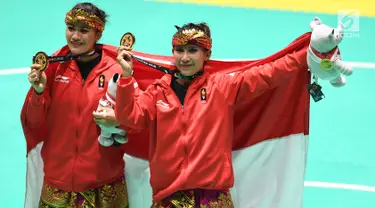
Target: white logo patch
162,104
62,79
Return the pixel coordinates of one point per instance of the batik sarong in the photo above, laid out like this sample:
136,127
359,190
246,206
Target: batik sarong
197,198
112,195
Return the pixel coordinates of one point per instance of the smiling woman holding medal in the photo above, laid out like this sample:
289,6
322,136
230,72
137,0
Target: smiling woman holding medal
66,88
190,112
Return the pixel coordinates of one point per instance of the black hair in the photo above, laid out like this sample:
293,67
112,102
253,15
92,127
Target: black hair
92,9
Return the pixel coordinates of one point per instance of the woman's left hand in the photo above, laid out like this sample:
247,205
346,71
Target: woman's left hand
106,117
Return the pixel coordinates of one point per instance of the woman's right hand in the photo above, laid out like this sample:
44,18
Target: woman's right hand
37,78
124,58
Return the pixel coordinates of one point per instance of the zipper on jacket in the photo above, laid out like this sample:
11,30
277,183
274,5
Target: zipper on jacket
184,125
184,136
184,121
77,140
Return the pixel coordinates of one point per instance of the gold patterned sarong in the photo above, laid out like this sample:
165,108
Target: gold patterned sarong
108,196
197,198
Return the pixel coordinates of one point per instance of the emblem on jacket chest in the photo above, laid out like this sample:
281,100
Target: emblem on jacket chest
203,95
101,81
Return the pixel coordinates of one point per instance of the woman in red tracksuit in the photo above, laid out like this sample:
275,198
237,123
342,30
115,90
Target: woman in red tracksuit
58,111
190,118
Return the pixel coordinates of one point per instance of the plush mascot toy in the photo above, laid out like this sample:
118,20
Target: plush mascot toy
110,136
324,59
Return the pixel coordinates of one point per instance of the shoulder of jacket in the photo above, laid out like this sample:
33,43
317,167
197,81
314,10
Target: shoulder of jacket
113,66
61,51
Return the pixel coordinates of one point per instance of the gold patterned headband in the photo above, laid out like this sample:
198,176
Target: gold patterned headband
192,36
91,20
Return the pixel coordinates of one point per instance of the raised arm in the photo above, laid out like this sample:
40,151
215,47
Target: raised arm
38,98
251,82
134,107
35,108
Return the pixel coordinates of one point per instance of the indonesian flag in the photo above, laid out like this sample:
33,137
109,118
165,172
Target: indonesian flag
269,148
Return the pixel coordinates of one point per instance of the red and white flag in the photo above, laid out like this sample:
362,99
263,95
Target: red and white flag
269,148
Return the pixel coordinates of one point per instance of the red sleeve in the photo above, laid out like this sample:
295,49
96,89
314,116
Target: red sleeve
134,107
37,104
34,110
246,84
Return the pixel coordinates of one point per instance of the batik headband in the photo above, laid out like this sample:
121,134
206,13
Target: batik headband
91,20
192,36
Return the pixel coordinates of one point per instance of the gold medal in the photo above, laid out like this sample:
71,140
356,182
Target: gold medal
127,40
41,58
326,64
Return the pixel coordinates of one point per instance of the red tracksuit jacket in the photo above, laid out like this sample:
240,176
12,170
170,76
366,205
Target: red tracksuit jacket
191,145
62,118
